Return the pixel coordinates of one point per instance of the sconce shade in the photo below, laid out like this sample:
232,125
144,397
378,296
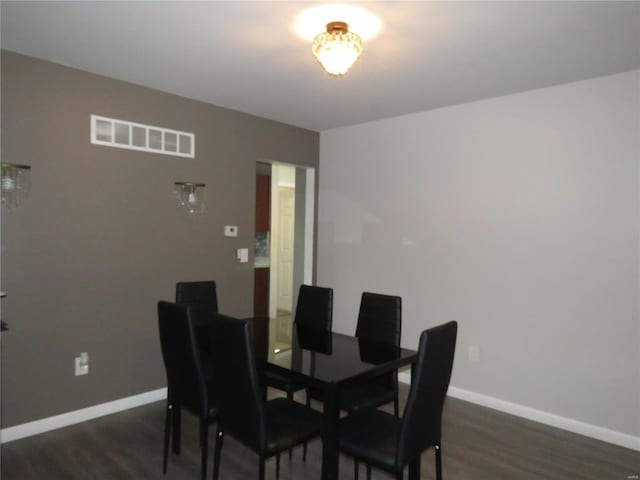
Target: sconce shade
191,196
15,184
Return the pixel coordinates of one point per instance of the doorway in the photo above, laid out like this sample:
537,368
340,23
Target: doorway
284,237
282,248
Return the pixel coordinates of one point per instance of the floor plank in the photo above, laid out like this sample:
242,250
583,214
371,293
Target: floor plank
478,443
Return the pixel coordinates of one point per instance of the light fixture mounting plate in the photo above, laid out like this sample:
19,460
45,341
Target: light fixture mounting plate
337,27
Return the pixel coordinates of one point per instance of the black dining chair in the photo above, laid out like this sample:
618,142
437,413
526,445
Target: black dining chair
202,298
390,443
186,385
267,428
198,294
379,321
314,310
315,307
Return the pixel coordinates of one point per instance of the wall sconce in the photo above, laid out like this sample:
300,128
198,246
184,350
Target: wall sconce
15,184
191,196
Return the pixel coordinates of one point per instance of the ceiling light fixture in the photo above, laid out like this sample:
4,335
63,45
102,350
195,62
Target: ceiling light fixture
337,49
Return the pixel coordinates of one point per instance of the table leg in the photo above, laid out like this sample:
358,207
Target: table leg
330,452
414,469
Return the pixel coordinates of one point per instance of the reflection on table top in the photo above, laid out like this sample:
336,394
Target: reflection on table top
322,357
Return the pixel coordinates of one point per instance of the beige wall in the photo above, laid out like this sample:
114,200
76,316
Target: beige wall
101,239
519,217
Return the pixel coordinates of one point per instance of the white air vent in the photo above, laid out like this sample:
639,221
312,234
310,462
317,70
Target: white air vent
111,132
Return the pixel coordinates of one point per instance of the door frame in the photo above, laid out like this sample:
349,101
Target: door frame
306,230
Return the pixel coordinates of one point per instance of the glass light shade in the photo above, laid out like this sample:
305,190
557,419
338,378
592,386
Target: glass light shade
337,49
15,184
191,196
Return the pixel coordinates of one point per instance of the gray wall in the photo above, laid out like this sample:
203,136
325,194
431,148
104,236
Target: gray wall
517,216
102,239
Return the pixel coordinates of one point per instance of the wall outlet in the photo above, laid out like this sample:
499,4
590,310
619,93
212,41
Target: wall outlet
474,353
82,364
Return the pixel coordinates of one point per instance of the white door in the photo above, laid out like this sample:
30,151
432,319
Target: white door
286,218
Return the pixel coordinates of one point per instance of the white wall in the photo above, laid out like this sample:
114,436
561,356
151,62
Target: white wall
518,217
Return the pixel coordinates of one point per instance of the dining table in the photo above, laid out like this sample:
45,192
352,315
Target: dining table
325,362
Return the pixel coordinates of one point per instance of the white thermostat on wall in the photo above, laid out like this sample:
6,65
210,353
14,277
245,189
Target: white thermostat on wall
230,231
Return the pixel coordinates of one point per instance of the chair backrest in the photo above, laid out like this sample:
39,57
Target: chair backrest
315,307
380,318
239,397
422,418
201,295
185,379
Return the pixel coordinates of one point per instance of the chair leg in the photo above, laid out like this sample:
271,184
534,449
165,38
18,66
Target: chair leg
277,466
167,432
396,391
204,448
414,469
438,448
204,429
261,467
356,467
177,421
290,398
216,456
368,471
304,445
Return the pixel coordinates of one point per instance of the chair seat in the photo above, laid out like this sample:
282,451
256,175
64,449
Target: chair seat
371,435
365,396
289,423
359,397
281,382
212,413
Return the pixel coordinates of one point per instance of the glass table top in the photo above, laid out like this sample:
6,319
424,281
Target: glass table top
315,356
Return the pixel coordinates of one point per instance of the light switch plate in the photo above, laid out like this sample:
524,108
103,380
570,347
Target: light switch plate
230,231
82,364
243,255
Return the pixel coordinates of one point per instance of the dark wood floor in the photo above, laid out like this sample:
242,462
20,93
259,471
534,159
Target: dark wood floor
478,443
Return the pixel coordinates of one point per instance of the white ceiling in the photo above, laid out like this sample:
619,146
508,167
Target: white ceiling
247,56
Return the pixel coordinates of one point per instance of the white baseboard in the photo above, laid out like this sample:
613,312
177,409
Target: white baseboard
77,416
575,426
